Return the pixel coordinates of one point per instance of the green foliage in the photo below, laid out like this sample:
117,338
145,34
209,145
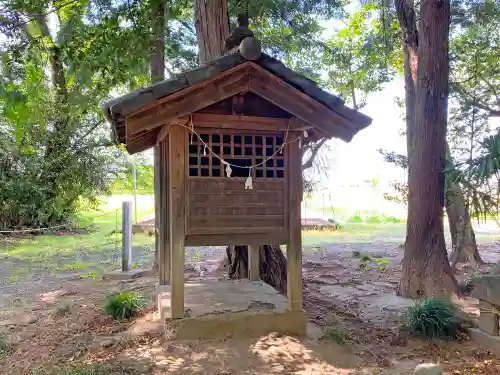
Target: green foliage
433,319
382,264
373,217
124,183
362,56
334,333
6,347
95,370
54,145
125,305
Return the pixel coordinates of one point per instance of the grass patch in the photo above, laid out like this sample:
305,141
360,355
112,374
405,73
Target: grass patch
434,319
357,233
6,347
56,252
96,370
125,305
334,333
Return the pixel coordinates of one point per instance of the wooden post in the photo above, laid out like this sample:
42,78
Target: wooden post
294,246
126,236
163,213
177,144
253,263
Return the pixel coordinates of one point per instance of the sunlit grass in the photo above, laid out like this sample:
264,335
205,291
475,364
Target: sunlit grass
356,233
94,242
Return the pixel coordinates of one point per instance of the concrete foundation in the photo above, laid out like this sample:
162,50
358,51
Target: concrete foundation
235,308
126,275
485,341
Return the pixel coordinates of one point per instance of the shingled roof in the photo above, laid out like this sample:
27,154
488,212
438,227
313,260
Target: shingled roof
118,109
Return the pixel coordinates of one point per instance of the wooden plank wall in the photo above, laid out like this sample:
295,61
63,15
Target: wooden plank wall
223,206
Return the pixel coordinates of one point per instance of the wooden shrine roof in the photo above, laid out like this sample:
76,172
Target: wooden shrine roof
347,121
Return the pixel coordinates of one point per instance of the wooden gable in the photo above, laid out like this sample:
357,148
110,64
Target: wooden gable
143,124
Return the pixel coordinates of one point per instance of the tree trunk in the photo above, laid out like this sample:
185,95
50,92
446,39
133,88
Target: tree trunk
271,258
157,62
212,29
426,269
463,238
464,246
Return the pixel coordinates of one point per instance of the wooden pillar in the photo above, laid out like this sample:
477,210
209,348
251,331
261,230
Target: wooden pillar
294,246
163,227
253,263
177,155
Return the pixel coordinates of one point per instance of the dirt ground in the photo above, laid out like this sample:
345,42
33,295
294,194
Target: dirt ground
348,286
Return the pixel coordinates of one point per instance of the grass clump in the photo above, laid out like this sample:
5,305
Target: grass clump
95,370
125,304
6,347
434,319
334,333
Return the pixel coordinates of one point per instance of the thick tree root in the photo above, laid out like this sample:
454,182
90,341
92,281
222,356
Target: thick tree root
273,266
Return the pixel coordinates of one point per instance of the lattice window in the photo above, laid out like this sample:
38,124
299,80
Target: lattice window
239,150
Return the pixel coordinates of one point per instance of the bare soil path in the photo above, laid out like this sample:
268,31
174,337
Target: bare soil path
53,322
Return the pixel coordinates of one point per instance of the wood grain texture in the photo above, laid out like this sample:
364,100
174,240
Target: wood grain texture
294,245
178,141
253,263
242,237
163,213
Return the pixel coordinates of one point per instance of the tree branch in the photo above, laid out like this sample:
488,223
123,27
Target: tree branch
468,98
314,152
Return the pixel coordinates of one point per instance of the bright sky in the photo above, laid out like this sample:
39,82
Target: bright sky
353,163
359,160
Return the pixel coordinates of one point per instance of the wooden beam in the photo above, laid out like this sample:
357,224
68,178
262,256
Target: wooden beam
164,260
294,245
299,104
209,120
177,156
162,133
253,263
188,101
240,238
142,143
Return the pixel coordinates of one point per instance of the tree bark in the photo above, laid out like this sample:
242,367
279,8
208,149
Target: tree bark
426,269
157,63
464,246
212,29
273,267
463,239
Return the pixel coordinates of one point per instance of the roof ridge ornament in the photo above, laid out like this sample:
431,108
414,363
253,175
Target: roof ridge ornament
242,40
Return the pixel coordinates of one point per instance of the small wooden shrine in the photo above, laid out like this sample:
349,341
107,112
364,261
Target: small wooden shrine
228,138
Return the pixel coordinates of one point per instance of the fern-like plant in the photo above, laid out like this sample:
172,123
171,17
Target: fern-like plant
434,319
125,305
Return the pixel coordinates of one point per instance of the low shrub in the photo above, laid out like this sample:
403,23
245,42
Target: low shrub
356,219
333,333
434,319
6,347
125,305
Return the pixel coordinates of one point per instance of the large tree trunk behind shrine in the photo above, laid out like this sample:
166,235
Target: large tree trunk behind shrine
212,29
463,238
426,269
273,268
